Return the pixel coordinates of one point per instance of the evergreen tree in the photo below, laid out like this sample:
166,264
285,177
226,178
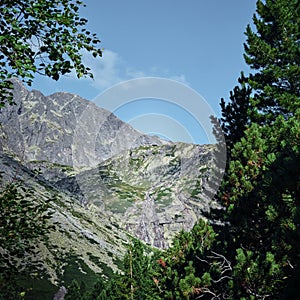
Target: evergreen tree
136,280
273,50
73,290
193,267
236,113
136,266
262,186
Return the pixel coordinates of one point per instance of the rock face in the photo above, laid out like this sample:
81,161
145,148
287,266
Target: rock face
150,187
60,295
153,191
63,129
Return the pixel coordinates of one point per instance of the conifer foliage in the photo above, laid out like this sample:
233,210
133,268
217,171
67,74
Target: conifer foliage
262,186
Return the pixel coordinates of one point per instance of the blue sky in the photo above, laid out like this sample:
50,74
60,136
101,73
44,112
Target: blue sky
196,42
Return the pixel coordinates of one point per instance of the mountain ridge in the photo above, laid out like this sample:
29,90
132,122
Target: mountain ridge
50,125
110,182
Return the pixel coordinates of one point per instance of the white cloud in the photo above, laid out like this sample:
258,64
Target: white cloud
112,69
106,70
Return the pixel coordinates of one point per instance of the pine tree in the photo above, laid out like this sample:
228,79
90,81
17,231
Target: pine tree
193,268
273,51
138,273
236,113
75,291
262,187
136,280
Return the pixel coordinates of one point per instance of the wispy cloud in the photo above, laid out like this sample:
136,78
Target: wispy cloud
112,69
180,78
106,71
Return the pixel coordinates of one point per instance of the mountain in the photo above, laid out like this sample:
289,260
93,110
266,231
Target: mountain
64,129
107,180
80,246
153,191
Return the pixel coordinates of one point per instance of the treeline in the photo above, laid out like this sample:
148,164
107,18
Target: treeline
256,253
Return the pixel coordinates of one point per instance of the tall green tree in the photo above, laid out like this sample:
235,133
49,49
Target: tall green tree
45,37
236,114
262,187
136,265
136,280
273,52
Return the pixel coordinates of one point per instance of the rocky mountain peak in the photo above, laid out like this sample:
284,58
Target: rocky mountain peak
64,128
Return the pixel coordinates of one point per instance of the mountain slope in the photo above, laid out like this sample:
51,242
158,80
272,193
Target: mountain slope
153,191
63,129
78,236
106,180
